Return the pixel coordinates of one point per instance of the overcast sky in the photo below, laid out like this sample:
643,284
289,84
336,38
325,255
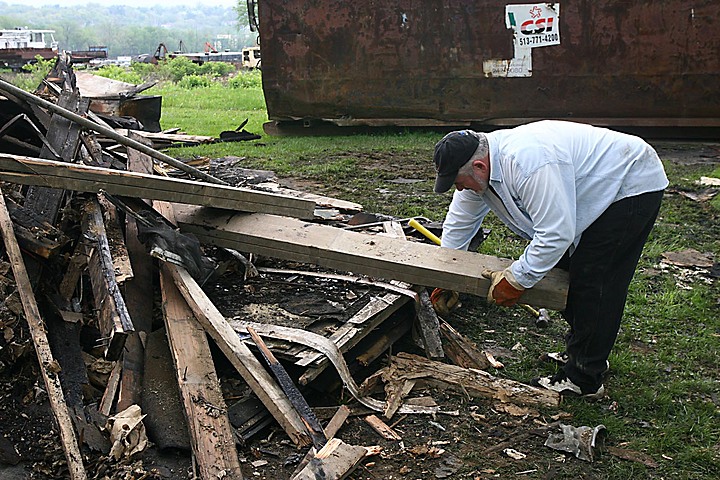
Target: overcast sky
132,3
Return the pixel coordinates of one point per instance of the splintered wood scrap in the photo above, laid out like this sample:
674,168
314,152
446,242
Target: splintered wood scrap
331,429
475,382
73,272
395,395
376,256
48,365
382,428
211,435
335,461
111,389
84,178
113,318
116,241
298,401
429,326
167,138
463,352
33,232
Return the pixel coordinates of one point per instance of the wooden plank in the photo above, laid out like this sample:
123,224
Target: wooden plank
335,461
64,136
382,428
49,367
471,381
237,352
211,436
138,291
428,326
376,256
113,318
84,178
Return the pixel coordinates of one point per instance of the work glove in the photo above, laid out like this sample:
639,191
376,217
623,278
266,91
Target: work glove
444,301
504,289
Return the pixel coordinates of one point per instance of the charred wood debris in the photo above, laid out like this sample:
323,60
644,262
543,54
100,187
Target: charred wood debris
116,297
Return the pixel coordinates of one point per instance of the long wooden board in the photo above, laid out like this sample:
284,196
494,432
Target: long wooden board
84,178
211,436
49,367
377,256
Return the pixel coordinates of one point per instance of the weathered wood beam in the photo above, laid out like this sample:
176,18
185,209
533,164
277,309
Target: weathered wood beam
113,318
84,178
211,436
49,367
377,256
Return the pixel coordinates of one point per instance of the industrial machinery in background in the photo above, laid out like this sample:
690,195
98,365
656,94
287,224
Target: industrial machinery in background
485,64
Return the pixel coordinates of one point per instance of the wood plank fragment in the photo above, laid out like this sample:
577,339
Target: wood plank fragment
48,365
335,461
138,292
211,436
428,326
382,428
113,317
331,429
84,178
478,383
462,351
376,256
110,393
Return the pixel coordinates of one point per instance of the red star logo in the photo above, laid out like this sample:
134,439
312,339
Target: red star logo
535,12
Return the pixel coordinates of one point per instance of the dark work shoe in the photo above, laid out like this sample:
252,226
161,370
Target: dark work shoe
564,386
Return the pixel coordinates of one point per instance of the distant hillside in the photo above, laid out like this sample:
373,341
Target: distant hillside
132,31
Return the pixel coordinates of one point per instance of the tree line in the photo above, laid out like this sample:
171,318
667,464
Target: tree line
136,30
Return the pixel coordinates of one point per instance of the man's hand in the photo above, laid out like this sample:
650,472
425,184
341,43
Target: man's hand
504,289
444,301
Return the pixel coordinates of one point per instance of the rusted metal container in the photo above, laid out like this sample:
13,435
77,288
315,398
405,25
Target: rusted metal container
481,62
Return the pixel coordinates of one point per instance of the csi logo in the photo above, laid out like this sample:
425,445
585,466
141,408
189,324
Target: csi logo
537,23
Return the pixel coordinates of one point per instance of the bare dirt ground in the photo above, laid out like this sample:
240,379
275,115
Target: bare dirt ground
471,442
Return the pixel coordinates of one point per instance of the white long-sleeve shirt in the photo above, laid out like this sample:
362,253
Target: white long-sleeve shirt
551,181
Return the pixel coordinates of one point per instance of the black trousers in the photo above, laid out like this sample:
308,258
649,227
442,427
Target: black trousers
601,268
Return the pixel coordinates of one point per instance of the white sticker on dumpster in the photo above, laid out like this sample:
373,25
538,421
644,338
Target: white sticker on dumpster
536,25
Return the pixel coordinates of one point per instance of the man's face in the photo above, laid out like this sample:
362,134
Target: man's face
471,179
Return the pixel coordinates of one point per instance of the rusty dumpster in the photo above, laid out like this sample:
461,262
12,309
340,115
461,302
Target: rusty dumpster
481,62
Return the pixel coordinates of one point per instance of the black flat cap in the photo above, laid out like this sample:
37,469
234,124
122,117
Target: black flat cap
451,153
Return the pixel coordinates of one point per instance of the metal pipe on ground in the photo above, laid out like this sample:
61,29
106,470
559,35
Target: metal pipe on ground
108,132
